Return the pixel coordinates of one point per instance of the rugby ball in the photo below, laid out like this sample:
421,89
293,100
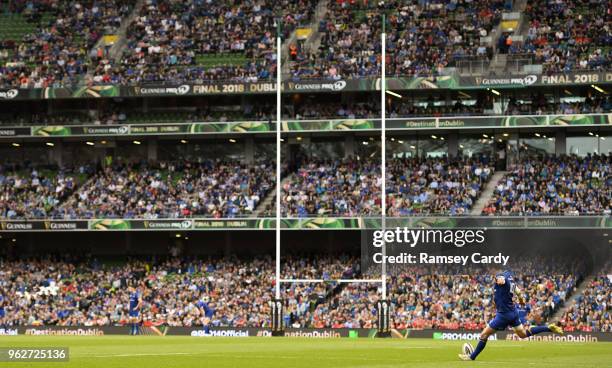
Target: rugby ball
468,349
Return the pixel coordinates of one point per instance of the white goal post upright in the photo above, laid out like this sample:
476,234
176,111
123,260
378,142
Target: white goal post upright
383,306
383,148
276,305
278,161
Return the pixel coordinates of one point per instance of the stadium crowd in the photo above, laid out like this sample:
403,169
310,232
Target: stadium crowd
415,186
30,193
72,292
175,41
174,291
555,185
422,38
169,41
558,185
592,310
435,186
348,187
568,35
171,190
442,298
304,297
320,267
60,50
138,190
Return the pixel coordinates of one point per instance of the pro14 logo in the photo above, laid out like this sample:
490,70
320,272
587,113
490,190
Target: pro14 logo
183,89
456,336
339,85
162,224
9,94
318,86
530,79
180,90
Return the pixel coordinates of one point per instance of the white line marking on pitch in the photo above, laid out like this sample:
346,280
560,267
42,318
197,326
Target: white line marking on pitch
137,354
507,346
247,356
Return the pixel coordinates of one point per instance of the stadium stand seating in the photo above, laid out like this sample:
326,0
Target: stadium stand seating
51,43
423,38
335,188
555,186
33,193
171,190
48,43
352,187
568,35
177,41
591,310
86,292
164,190
435,186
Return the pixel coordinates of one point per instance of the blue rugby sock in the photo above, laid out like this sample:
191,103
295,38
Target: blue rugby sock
536,330
480,347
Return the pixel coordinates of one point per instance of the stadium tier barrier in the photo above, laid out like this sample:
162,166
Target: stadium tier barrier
323,333
216,87
312,223
288,125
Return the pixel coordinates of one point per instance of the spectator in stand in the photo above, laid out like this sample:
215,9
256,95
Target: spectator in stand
165,190
168,190
422,38
75,292
592,310
569,35
442,298
33,194
85,292
58,53
333,188
435,186
563,185
168,40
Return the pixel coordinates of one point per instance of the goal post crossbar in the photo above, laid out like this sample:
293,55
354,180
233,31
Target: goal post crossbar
330,281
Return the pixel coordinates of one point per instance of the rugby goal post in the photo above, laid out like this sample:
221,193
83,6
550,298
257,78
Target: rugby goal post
383,306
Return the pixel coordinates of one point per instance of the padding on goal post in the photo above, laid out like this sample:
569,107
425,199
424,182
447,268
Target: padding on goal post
384,329
278,329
